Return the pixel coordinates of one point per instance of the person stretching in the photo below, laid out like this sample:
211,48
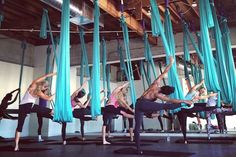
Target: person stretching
27,104
146,103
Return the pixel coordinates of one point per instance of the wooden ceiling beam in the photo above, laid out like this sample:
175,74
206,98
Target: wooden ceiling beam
190,4
174,11
162,8
148,15
132,23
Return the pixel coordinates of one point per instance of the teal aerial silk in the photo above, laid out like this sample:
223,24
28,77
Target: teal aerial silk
63,110
123,66
229,61
196,73
160,68
104,64
148,54
129,65
45,23
108,69
169,45
84,61
47,69
223,79
23,46
1,19
186,57
190,36
95,103
210,75
43,28
142,74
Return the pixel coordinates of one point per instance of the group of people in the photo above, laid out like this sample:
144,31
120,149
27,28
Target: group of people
116,104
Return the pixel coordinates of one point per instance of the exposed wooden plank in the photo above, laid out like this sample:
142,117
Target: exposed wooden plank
174,11
148,15
190,4
132,23
162,8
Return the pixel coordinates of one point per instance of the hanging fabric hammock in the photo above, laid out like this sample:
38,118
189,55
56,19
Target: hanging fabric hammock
223,79
194,44
148,55
95,103
169,45
104,64
63,110
108,71
129,65
186,57
142,74
1,19
45,23
23,46
123,66
84,61
229,61
210,75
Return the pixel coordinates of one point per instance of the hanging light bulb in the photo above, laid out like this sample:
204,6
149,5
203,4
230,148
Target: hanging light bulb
194,4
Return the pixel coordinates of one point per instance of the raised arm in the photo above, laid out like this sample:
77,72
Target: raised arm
14,98
120,87
79,89
103,99
87,102
194,88
175,101
166,70
202,97
122,100
18,89
39,79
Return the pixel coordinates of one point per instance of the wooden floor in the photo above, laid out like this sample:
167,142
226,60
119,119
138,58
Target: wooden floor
152,146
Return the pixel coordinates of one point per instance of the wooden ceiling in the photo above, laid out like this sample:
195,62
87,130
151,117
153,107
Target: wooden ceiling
24,16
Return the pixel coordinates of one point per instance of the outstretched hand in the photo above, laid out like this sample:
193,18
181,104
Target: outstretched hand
202,81
171,59
188,102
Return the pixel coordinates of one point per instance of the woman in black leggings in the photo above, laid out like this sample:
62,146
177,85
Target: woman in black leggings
42,103
6,101
146,103
27,104
116,105
78,110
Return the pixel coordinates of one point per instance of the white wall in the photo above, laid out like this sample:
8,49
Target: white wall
9,80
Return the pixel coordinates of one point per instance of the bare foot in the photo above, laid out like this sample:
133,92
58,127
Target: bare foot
16,148
131,139
52,113
64,142
105,142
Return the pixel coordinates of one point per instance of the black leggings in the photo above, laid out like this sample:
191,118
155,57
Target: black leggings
79,114
184,113
25,109
146,106
149,115
110,111
40,121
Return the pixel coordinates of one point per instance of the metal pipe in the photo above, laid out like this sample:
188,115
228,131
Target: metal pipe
55,31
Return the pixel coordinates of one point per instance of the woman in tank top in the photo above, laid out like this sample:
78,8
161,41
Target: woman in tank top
27,104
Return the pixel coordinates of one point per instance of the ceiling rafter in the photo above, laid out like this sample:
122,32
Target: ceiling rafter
132,23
